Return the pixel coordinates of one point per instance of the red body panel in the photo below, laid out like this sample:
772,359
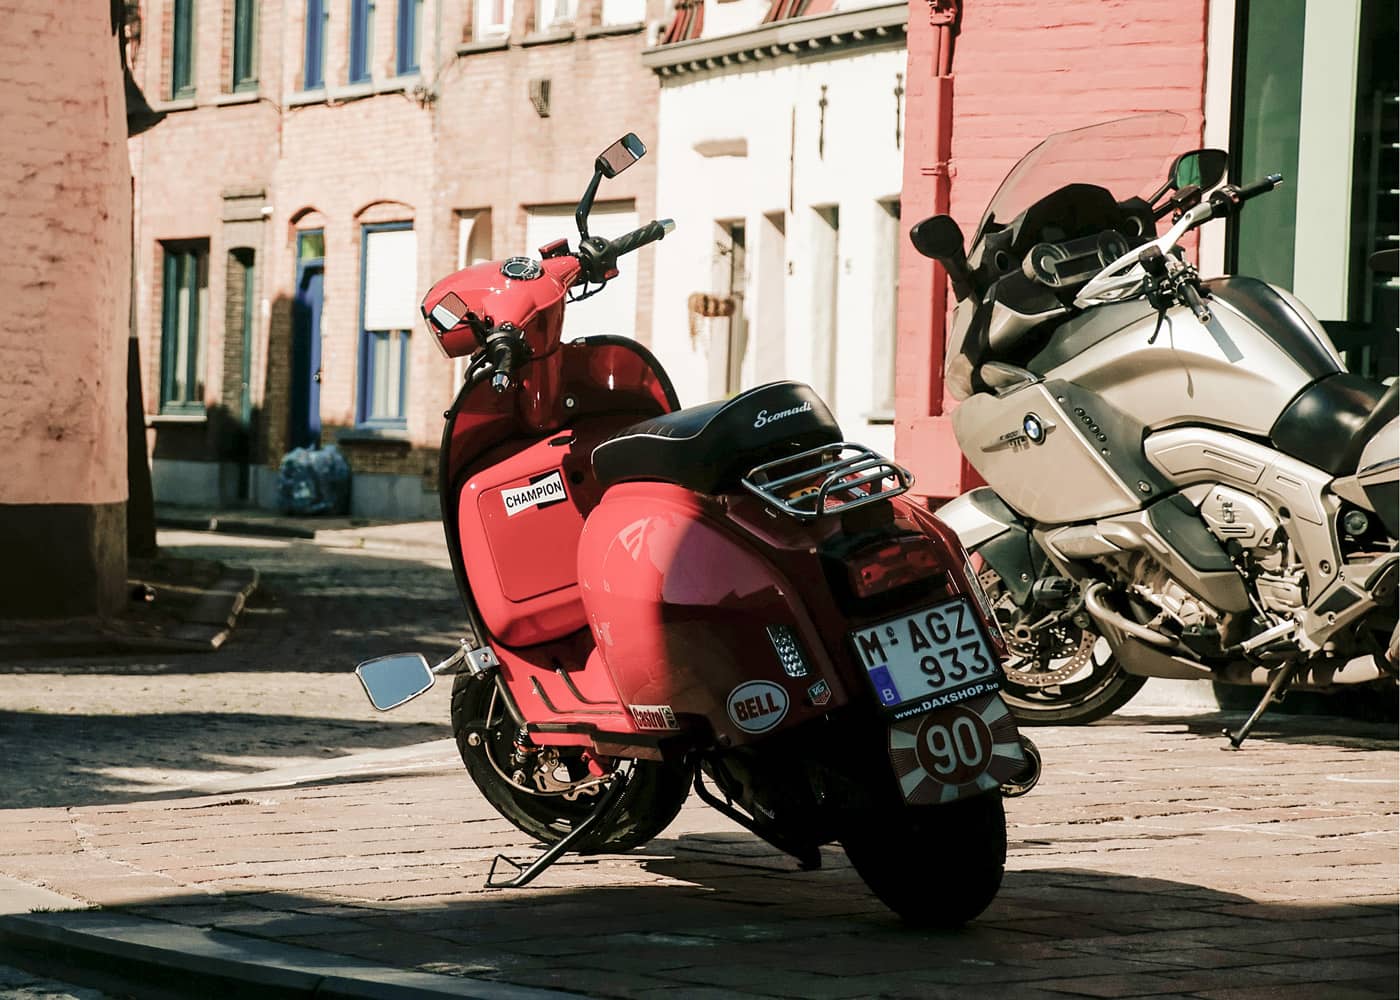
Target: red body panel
535,306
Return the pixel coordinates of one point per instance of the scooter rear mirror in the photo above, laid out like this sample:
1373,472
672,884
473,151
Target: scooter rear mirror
620,155
390,681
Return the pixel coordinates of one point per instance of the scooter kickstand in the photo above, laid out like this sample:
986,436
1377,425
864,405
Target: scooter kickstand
528,873
1277,686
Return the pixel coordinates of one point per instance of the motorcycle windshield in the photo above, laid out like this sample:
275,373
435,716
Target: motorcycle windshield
1127,156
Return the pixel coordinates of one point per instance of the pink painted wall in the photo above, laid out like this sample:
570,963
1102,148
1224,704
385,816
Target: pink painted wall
1021,70
65,216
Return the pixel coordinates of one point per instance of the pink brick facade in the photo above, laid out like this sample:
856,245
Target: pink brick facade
1018,72
250,170
65,209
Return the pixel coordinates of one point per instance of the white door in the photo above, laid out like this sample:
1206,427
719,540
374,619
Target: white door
614,309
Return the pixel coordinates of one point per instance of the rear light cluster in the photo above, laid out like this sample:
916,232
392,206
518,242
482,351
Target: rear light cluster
890,565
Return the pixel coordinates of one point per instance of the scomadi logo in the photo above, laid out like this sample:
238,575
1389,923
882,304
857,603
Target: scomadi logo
542,491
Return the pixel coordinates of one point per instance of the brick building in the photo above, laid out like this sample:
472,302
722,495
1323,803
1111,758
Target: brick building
321,162
65,208
1303,87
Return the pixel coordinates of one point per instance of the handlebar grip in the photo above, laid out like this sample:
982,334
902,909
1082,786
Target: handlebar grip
1226,201
501,355
639,238
1192,298
1260,187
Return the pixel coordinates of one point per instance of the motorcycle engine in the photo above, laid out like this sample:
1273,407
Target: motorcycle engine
1275,573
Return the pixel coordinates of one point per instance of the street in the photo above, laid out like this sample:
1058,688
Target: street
252,795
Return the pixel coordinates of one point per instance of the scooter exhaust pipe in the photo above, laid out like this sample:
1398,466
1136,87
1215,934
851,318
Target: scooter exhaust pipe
1026,779
1096,606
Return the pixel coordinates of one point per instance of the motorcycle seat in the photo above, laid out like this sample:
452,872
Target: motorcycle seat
1329,423
708,448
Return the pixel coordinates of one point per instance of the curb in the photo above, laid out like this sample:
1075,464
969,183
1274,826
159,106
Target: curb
220,963
234,526
204,630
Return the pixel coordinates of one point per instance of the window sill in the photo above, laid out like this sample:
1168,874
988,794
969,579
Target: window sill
399,84
484,45
170,107
305,97
374,435
880,416
192,418
237,97
551,37
604,30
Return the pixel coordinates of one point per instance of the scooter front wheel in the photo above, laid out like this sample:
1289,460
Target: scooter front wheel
935,866
485,735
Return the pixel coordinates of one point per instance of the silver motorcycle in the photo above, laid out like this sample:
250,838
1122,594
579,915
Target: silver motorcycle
1185,481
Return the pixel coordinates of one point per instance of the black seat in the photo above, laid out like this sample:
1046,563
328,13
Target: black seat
1328,423
707,448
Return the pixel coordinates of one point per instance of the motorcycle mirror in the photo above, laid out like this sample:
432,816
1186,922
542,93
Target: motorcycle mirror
940,238
1200,168
389,681
620,155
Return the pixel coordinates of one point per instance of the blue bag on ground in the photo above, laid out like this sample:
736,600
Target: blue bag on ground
314,481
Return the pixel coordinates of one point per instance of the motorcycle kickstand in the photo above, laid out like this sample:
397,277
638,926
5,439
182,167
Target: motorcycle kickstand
1277,687
528,873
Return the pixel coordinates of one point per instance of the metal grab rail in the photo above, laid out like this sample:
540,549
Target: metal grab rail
837,477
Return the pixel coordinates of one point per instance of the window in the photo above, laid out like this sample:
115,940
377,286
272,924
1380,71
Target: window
313,71
554,14
245,45
624,11
410,19
242,303
492,19
826,279
182,50
388,307
184,286
361,39
886,310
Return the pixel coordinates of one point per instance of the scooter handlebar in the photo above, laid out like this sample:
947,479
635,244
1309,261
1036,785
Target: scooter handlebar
638,238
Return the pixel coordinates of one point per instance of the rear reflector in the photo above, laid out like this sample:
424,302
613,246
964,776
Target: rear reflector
889,565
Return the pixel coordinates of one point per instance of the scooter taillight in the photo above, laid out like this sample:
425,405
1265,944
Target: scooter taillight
889,565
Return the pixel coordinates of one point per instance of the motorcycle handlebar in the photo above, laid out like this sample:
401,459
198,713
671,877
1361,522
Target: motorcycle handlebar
638,238
1228,199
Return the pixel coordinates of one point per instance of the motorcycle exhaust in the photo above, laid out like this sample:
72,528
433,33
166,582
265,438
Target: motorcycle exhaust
1095,605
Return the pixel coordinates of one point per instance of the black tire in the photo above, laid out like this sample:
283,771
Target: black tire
1100,695
935,866
652,799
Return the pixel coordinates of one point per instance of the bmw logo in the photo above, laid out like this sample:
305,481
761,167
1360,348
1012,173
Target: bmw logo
522,269
1033,428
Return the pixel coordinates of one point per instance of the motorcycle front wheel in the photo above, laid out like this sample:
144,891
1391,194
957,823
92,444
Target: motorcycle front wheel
1060,674
485,735
935,866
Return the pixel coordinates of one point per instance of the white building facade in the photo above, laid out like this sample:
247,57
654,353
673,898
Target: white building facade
779,157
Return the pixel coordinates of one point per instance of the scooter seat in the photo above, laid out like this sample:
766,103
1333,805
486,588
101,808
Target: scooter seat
708,448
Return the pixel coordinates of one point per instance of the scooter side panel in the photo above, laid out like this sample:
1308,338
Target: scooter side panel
680,607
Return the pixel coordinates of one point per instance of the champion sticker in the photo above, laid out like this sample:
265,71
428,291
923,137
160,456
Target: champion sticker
757,706
654,717
542,491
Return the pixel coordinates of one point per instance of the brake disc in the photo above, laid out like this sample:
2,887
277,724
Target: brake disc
1037,653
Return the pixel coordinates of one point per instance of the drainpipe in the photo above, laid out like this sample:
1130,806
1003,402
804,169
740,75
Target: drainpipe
943,17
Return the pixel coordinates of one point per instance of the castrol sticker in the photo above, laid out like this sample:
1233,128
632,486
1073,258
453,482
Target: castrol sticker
757,706
657,717
541,492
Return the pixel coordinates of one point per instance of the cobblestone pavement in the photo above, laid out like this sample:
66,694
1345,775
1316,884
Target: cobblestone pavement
280,691
1149,862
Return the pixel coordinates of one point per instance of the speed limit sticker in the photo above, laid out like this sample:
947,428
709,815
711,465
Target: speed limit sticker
957,751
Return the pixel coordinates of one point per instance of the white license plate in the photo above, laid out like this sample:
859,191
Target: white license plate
934,657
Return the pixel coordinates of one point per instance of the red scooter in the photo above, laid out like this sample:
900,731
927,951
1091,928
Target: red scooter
727,597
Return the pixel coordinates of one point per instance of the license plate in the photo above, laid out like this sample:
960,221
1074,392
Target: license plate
922,661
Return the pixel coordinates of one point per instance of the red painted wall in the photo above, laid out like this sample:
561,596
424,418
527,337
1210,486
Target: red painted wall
1019,71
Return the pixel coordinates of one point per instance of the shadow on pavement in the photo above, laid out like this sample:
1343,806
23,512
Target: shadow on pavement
1317,730
730,923
67,759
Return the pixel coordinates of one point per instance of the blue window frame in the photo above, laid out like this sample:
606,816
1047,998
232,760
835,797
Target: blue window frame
361,39
184,281
410,19
313,71
182,50
384,354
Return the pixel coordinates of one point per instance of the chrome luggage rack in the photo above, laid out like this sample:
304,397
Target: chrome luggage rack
833,478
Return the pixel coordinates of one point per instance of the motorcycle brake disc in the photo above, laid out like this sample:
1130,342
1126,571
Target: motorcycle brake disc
1080,655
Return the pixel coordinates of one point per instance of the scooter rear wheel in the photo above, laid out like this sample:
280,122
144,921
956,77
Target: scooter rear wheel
651,801
935,866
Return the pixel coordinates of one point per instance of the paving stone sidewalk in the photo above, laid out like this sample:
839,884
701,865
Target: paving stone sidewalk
1149,862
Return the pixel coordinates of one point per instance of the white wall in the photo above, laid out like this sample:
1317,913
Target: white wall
860,166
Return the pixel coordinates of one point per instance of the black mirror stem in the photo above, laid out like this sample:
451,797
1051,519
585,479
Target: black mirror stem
585,204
